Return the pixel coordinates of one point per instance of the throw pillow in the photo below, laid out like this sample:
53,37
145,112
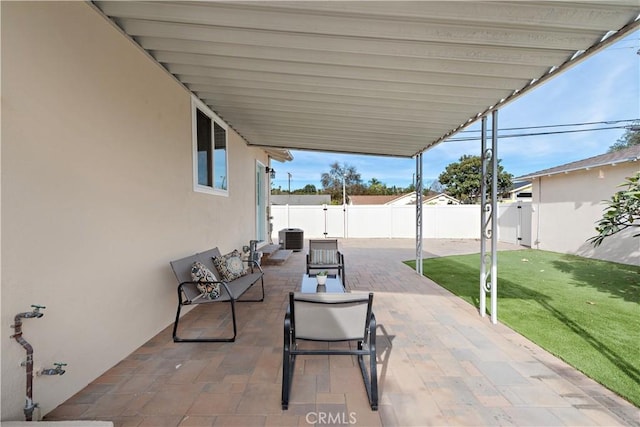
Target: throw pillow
324,256
202,275
230,266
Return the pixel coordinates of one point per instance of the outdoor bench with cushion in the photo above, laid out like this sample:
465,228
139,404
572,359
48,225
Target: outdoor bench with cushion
210,277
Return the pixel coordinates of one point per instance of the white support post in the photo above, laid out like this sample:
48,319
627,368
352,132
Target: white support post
494,218
419,214
483,220
489,220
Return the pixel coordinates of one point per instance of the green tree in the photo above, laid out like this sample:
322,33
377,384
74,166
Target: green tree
622,211
463,179
377,188
332,181
310,188
307,189
630,138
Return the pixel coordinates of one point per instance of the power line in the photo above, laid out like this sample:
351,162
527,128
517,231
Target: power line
521,135
607,122
527,134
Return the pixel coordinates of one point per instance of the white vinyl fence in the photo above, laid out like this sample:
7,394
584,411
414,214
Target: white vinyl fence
371,221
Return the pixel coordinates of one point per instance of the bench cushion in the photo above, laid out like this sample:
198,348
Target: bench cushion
230,266
204,277
182,267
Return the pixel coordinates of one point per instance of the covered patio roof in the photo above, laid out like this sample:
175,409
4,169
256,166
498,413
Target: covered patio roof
387,78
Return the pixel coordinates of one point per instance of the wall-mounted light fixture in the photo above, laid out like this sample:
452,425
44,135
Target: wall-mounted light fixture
271,172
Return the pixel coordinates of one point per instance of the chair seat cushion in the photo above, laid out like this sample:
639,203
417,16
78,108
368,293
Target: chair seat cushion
323,256
202,275
230,266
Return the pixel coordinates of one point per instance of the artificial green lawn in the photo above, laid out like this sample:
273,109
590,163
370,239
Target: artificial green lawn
586,312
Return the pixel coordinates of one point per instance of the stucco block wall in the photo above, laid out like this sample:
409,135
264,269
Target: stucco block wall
566,208
97,196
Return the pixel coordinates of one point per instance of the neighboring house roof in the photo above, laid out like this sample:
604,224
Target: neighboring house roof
630,154
441,197
521,191
404,199
300,199
371,200
519,186
410,198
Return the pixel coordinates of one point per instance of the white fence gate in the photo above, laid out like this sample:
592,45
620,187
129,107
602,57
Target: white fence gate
514,223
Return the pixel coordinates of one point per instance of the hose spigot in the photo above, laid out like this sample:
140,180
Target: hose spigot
17,325
33,313
36,310
54,371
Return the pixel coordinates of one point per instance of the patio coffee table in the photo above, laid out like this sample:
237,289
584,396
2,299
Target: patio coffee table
309,285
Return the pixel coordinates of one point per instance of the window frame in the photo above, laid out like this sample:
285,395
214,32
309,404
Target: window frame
198,105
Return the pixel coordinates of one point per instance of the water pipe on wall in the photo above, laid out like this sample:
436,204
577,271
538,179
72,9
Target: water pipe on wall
17,327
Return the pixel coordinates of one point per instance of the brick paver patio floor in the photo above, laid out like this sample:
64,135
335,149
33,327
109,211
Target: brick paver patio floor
439,363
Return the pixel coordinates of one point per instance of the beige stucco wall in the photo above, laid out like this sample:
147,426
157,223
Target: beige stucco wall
97,196
566,208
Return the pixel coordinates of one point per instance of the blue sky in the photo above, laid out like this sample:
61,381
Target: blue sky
605,87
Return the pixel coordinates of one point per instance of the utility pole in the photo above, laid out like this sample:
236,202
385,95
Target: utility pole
344,193
289,202
344,205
